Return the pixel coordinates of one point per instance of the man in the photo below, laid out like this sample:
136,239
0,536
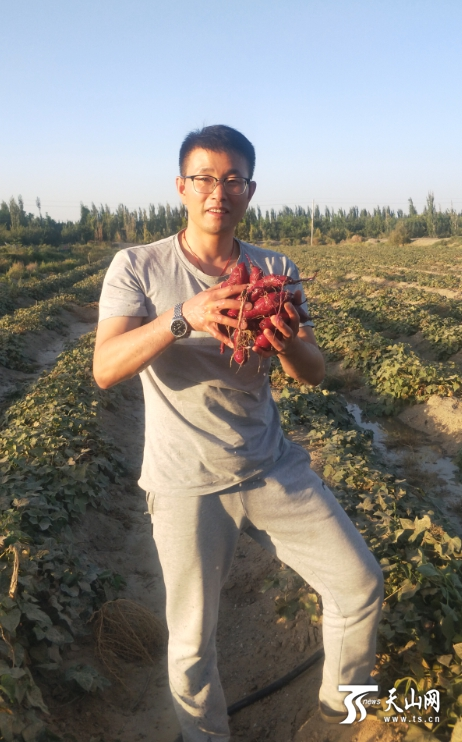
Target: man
215,460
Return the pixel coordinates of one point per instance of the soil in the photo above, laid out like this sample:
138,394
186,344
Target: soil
457,358
425,241
434,272
449,293
44,347
420,345
421,444
440,418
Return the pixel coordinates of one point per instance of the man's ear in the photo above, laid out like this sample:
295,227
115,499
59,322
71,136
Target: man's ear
180,186
252,188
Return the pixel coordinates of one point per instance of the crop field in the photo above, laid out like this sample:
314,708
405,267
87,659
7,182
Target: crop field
53,463
384,430
389,322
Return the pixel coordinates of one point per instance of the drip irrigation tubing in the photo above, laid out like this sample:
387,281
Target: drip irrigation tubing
276,685
272,687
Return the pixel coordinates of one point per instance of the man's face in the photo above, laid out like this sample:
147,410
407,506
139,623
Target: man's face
217,212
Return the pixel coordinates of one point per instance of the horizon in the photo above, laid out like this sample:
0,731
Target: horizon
255,206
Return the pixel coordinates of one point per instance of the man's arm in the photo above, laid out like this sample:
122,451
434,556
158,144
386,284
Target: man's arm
124,347
303,360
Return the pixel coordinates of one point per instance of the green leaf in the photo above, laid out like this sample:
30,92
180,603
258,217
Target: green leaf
55,635
34,613
87,677
288,609
407,590
8,686
428,570
268,583
6,727
10,620
447,627
406,524
34,696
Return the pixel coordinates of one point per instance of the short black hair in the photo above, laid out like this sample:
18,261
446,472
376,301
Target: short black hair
218,138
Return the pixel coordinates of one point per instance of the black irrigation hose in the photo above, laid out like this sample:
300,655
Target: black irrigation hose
272,687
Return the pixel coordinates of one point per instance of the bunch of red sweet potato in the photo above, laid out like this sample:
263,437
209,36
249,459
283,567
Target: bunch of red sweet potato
267,296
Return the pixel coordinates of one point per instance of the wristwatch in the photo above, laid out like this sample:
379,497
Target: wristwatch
178,326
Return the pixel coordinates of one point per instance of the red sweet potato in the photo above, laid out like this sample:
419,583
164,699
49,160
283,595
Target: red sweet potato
256,274
261,341
275,281
267,296
267,305
238,275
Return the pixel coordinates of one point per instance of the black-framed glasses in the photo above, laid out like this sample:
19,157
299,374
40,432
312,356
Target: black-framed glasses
207,183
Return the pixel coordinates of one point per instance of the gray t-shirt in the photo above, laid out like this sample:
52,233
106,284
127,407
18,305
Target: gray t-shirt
210,424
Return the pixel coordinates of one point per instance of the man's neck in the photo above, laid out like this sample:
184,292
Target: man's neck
210,248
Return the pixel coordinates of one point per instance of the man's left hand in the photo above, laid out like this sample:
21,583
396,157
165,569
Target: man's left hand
289,332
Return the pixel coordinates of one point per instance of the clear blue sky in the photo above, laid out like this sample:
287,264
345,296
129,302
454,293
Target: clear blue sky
350,102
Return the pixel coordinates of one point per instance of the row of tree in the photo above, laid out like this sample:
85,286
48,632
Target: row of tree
294,225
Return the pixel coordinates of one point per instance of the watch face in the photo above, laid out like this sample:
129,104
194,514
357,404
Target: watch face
179,328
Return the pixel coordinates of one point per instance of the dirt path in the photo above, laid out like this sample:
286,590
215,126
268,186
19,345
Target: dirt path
406,269
449,293
42,348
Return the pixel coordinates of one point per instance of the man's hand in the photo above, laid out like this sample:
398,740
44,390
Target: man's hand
281,346
289,331
297,350
203,311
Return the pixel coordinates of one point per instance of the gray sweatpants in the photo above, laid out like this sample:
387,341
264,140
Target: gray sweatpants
294,515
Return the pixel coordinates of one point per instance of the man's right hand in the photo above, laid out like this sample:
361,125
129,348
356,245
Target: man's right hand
203,311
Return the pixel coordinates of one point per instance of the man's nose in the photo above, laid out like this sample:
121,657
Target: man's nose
219,191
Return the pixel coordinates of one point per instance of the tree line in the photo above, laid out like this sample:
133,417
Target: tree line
287,225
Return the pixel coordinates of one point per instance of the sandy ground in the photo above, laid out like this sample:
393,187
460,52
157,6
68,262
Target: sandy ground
449,293
440,418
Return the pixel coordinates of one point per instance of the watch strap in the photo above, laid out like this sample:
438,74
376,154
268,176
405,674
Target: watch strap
178,318
177,311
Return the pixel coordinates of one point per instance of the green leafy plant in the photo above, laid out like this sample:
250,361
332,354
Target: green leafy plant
45,314
55,463
86,677
421,628
43,288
